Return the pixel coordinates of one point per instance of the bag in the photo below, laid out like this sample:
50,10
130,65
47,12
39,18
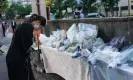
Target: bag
72,32
63,35
57,35
44,39
80,37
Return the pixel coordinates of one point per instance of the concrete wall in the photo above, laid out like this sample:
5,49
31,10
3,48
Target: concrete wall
108,27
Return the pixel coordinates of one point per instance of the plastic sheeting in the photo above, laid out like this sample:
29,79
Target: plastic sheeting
111,65
71,33
63,35
101,72
84,27
118,42
44,40
57,35
87,35
122,58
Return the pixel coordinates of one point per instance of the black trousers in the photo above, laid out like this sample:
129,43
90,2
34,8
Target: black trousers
4,30
13,30
22,71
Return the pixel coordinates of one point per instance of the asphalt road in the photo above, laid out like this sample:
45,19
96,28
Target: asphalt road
5,40
3,68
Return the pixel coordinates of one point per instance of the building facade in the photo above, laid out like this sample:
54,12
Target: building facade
125,7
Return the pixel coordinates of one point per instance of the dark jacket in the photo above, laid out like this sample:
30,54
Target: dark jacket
13,24
17,59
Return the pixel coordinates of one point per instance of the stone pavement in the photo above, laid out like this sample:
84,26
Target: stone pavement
5,40
1,34
3,69
38,75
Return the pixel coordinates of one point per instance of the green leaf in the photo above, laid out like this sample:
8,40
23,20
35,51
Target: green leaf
3,5
18,9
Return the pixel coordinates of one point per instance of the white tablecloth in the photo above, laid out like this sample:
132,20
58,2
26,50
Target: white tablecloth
64,65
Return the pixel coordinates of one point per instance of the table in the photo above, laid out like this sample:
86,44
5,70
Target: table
64,65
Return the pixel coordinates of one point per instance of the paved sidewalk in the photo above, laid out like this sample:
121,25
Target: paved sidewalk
1,34
38,75
3,69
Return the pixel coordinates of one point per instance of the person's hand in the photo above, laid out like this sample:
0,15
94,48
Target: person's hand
36,32
37,40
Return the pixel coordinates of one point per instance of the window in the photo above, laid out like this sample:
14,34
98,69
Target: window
92,16
115,9
131,6
124,8
101,14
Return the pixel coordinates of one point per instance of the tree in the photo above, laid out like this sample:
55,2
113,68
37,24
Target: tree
109,5
68,4
10,13
57,5
87,5
94,7
117,1
18,9
105,5
21,11
3,5
28,9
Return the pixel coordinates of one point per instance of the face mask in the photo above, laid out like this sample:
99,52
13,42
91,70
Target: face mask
36,26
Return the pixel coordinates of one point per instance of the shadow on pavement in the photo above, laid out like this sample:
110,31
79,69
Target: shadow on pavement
46,76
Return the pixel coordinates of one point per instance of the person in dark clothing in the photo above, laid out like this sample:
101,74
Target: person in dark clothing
13,25
3,29
78,13
17,59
